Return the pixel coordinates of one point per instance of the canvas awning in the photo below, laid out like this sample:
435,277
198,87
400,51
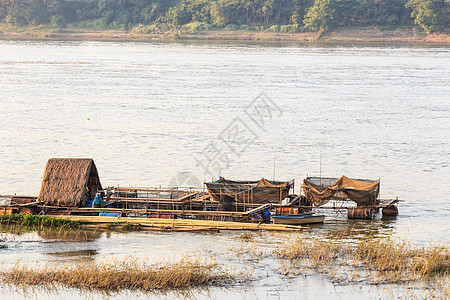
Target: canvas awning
320,190
260,191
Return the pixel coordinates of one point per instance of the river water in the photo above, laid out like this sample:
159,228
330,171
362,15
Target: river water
151,112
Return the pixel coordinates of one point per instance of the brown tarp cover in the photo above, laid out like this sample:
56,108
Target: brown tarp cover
363,192
261,191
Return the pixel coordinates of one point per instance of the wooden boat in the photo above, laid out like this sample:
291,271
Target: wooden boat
307,218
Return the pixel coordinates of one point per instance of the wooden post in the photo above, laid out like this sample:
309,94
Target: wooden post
280,196
293,187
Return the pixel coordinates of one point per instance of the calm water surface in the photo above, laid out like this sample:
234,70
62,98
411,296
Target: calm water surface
147,111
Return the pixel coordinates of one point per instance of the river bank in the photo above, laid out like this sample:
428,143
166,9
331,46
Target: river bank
358,35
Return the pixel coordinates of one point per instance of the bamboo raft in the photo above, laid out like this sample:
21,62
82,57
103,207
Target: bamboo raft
71,189
184,224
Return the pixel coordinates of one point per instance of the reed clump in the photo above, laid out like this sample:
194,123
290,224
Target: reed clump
434,260
387,254
392,260
130,274
383,254
131,227
316,251
246,237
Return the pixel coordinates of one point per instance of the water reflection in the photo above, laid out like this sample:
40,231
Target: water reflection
15,231
338,224
69,235
83,254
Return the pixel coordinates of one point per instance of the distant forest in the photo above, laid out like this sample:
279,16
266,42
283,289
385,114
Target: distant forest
195,15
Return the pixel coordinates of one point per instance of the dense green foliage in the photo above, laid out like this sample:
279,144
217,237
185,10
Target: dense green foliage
34,220
431,15
195,15
321,16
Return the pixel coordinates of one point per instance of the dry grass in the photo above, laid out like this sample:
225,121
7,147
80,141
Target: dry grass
396,257
246,237
383,259
130,274
318,252
248,250
372,260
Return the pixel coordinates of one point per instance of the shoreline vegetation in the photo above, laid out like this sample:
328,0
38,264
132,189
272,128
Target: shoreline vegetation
35,221
325,21
339,35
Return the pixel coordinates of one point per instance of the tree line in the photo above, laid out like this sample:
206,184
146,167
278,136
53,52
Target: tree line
271,15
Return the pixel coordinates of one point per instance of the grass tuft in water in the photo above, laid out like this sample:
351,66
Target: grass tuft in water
130,274
246,237
393,260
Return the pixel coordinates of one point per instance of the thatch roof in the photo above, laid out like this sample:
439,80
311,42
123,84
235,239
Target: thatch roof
67,180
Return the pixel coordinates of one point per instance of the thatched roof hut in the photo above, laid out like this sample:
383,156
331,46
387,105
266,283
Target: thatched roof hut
69,182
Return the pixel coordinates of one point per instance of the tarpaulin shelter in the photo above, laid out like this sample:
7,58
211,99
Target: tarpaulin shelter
69,182
259,192
320,190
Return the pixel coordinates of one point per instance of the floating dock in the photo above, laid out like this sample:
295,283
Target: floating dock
71,188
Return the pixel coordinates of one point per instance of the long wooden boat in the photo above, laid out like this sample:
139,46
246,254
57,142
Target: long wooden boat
308,218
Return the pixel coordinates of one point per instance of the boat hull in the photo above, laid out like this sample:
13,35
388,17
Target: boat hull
298,219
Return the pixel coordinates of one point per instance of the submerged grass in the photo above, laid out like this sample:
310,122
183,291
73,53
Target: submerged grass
130,274
317,251
389,260
390,255
246,237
